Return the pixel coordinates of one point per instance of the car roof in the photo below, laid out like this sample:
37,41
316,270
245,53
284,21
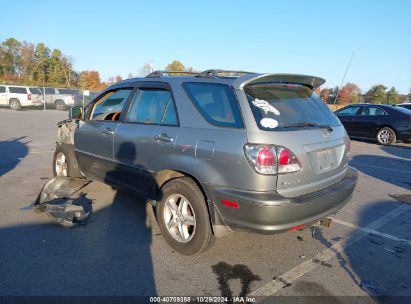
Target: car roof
237,79
12,85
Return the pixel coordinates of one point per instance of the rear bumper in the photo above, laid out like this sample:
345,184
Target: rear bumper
269,212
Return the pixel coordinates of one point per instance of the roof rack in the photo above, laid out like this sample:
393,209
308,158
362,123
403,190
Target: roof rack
206,73
163,73
219,73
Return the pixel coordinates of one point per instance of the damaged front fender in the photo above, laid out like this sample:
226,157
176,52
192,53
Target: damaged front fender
65,131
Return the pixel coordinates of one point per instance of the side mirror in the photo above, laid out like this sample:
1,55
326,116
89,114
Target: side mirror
76,113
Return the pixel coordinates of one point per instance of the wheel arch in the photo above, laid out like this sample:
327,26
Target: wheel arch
219,228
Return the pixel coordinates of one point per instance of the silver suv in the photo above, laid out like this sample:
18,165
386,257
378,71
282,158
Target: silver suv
60,99
17,97
214,152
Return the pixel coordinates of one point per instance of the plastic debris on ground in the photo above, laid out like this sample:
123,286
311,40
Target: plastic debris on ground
55,199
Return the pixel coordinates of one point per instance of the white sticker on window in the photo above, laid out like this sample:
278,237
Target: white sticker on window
265,106
269,123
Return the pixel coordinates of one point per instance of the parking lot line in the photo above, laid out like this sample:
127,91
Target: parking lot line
300,270
379,167
371,231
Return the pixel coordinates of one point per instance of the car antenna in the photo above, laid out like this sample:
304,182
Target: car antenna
345,74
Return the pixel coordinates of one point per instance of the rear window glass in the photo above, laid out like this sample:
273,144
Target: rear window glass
277,105
18,90
49,91
406,106
404,110
35,91
2,89
69,91
216,103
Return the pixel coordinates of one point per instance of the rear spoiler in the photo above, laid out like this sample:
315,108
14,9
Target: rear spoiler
312,82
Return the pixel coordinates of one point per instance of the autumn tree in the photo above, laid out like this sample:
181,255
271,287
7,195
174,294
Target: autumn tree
325,94
27,62
175,66
89,80
349,93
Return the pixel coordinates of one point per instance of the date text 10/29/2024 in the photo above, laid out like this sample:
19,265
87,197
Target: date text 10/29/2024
200,299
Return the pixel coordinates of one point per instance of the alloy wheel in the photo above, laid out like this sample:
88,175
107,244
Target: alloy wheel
179,218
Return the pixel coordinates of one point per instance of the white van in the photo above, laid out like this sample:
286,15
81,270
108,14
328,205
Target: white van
17,97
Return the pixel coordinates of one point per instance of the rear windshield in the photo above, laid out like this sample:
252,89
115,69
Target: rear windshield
277,105
35,91
403,110
17,90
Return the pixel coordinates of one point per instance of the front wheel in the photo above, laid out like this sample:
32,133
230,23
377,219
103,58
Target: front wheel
386,136
183,217
65,162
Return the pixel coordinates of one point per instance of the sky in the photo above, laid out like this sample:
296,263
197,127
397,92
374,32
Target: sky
306,37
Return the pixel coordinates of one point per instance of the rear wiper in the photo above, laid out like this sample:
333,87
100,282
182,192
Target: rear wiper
309,124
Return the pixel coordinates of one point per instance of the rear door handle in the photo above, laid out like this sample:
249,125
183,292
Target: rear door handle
163,137
107,131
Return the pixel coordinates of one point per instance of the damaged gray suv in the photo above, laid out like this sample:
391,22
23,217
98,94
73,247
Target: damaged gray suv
214,152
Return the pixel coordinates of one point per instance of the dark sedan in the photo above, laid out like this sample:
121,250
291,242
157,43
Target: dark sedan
385,123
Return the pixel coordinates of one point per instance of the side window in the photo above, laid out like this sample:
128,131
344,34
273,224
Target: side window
2,89
18,90
170,116
350,111
49,91
372,111
216,103
153,106
110,105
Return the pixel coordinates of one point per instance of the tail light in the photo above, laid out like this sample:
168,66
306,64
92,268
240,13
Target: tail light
29,96
287,161
270,159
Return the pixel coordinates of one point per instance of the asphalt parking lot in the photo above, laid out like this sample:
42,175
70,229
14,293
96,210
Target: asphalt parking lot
365,253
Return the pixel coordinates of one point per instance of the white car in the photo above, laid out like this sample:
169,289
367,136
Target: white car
17,97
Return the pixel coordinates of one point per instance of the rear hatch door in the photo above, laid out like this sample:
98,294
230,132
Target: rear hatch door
289,114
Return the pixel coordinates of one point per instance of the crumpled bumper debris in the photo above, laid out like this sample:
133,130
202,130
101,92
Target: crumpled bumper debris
55,199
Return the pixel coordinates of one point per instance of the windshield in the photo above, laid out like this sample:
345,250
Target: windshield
279,105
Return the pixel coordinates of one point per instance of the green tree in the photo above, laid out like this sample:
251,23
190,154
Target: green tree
377,94
175,66
41,62
393,96
54,69
10,57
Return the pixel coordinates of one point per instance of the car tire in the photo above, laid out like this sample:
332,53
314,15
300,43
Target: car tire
65,162
386,136
15,104
187,229
59,105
